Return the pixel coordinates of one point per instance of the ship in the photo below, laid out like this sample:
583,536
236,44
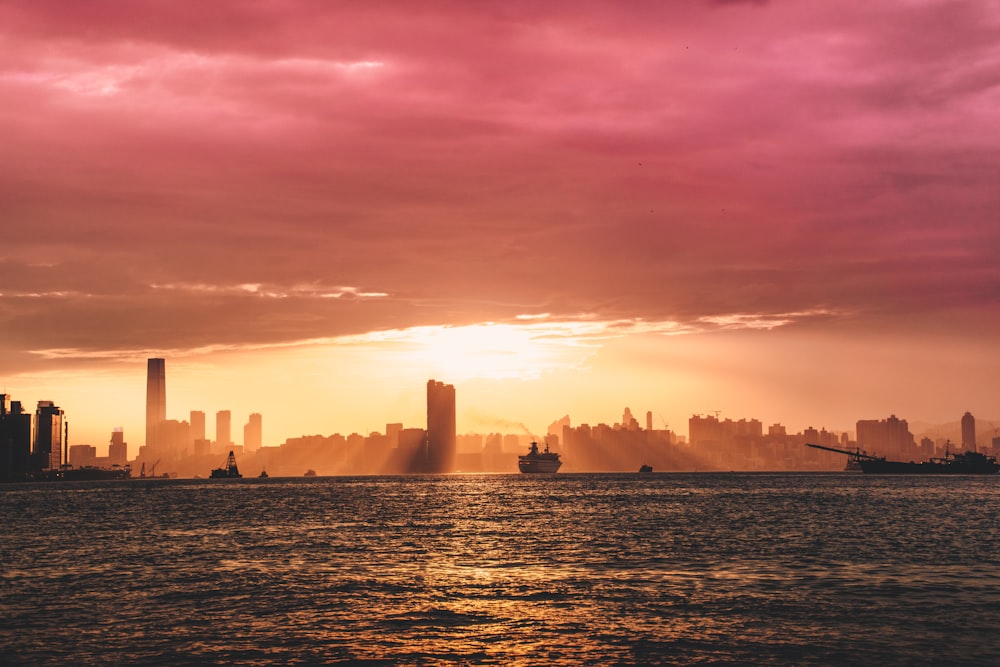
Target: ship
229,471
969,463
536,461
645,467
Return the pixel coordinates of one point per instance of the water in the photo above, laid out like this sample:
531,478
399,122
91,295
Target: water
503,569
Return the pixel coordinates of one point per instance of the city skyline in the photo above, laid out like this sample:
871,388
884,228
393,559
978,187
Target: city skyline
170,436
756,208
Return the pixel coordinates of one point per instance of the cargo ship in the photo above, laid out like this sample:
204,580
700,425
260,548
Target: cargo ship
969,463
536,461
229,470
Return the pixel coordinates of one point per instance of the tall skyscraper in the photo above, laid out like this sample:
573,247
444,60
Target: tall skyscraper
197,425
253,433
440,427
156,398
968,432
223,429
47,449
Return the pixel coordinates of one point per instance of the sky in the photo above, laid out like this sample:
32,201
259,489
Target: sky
776,210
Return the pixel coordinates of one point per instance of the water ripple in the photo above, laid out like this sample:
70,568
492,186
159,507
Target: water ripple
562,570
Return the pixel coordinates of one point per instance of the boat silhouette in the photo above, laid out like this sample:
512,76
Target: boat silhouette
536,461
229,470
969,463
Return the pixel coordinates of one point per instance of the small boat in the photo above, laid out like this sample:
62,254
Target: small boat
536,461
645,467
263,474
310,473
229,470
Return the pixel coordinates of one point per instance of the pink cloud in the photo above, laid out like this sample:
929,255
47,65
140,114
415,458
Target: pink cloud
655,161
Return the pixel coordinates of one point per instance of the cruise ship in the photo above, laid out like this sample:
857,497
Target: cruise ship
536,461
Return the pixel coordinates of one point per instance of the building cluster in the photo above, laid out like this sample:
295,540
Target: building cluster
32,443
172,443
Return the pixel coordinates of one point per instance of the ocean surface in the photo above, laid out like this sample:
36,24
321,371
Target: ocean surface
594,569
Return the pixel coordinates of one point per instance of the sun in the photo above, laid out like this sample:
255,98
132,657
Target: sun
488,350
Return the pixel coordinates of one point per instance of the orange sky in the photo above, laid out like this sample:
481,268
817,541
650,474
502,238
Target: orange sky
774,210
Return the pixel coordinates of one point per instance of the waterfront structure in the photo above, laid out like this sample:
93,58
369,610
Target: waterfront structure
253,433
968,432
223,430
156,399
48,443
441,431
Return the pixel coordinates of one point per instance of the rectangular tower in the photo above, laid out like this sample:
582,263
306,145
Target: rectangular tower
118,448
440,427
156,398
48,435
253,433
968,432
223,430
15,440
197,425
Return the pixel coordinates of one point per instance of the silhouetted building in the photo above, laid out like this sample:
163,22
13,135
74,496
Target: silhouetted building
889,437
968,432
82,455
197,425
173,438
15,440
441,430
47,448
253,433
392,431
156,398
223,430
118,448
629,423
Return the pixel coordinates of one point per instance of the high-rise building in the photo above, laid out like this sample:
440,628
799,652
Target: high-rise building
197,425
441,429
47,448
156,398
15,440
118,448
223,429
969,432
889,437
253,433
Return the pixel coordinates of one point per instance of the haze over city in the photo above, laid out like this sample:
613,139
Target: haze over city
771,210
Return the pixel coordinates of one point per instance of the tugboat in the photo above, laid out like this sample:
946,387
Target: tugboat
645,467
969,463
536,461
263,474
230,471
